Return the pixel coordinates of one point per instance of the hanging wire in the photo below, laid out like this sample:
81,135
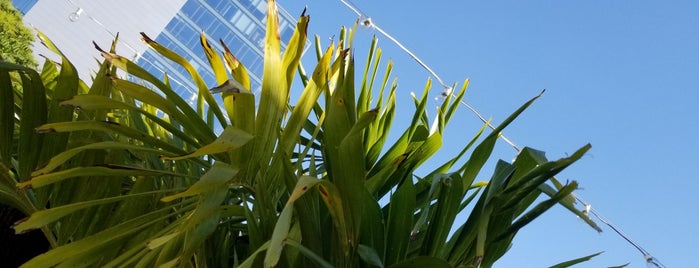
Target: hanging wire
366,21
448,90
587,208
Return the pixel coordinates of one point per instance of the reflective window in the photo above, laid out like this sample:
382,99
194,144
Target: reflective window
238,23
24,5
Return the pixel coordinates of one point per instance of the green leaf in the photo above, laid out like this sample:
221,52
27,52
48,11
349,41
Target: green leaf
275,93
231,139
309,254
65,156
10,195
365,92
281,229
44,217
381,128
236,68
107,170
241,111
528,159
620,266
576,261
399,222
373,234
447,206
214,60
96,102
203,89
33,114
98,242
7,117
215,178
111,128
250,261
157,242
538,210
482,152
67,85
538,175
455,104
369,255
331,196
308,99
190,119
191,123
295,47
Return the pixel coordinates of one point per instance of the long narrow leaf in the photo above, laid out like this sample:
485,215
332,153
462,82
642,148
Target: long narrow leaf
119,171
94,102
109,127
575,261
98,241
7,117
44,217
65,156
201,85
231,138
400,217
215,178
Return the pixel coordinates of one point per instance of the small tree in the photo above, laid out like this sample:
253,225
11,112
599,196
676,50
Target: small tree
15,44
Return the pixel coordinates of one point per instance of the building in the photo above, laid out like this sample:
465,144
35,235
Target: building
240,24
24,5
73,24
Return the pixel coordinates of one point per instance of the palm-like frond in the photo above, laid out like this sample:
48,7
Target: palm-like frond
128,174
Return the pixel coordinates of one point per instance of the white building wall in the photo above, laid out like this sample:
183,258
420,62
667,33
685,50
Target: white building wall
98,21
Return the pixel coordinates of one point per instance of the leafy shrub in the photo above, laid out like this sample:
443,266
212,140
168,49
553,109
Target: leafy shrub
128,174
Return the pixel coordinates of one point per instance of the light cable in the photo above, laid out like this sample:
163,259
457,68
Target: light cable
367,22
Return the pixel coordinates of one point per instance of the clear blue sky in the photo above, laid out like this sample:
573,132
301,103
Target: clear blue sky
621,75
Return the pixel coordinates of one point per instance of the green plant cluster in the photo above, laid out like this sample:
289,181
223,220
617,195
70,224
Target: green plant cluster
15,44
122,173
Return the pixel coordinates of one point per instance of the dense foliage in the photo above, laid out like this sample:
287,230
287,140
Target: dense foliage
126,173
15,44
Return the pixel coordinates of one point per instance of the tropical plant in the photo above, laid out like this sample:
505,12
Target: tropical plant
126,173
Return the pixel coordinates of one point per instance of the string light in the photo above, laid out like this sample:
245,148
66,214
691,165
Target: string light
587,208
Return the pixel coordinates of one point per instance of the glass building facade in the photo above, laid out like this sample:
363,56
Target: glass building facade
239,23
24,5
